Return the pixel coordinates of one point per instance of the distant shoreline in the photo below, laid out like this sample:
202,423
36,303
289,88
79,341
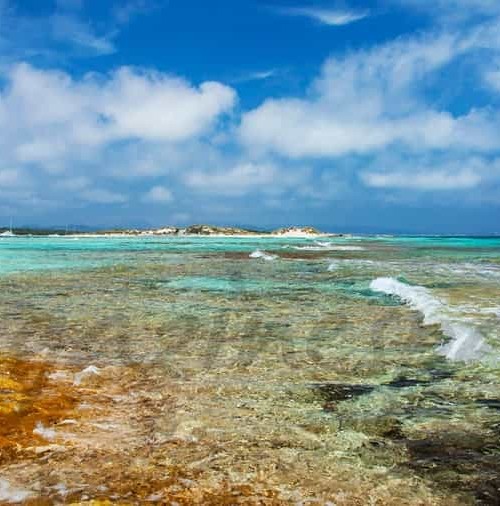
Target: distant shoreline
170,231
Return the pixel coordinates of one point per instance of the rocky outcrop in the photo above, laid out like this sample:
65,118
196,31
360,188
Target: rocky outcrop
207,230
213,230
162,231
296,231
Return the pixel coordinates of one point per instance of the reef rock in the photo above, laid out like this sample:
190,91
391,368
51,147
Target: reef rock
296,232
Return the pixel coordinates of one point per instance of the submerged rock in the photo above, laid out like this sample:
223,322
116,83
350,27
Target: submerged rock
459,461
490,403
338,392
404,382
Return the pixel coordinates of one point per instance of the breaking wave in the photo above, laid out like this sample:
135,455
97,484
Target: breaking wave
263,255
466,342
326,246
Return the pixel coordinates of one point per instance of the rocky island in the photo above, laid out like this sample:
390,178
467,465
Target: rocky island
212,230
191,230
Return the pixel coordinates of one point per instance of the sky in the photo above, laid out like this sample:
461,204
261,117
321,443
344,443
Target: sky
362,116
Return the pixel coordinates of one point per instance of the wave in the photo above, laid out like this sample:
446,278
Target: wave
44,432
12,494
263,255
466,342
91,370
324,246
486,271
333,266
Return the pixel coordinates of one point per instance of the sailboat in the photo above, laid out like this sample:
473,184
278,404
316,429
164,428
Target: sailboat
8,233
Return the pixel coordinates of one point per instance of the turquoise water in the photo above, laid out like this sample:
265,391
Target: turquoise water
330,368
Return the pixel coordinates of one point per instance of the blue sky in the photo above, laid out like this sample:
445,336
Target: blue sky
348,115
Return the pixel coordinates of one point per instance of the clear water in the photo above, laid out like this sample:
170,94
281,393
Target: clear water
359,370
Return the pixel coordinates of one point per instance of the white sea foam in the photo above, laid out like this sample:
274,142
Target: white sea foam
333,266
11,494
468,269
91,370
328,247
61,489
337,247
45,432
492,311
263,255
466,342
351,263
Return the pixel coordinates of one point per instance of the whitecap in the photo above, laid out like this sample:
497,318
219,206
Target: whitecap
466,342
45,432
323,246
61,489
10,494
58,376
263,255
91,370
494,311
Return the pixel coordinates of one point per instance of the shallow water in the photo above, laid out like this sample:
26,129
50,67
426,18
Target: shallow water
357,370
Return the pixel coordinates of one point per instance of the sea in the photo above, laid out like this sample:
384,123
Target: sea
357,370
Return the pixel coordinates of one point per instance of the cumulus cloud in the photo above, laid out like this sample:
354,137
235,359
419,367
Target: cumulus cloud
368,100
158,195
114,138
72,184
330,17
157,107
492,76
246,177
48,116
424,181
10,178
100,196
72,137
457,177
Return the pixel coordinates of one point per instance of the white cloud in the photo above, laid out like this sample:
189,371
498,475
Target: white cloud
65,27
73,141
70,29
244,178
127,10
72,184
157,107
158,195
369,100
49,118
10,178
464,178
424,181
492,76
452,10
261,75
100,196
330,17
